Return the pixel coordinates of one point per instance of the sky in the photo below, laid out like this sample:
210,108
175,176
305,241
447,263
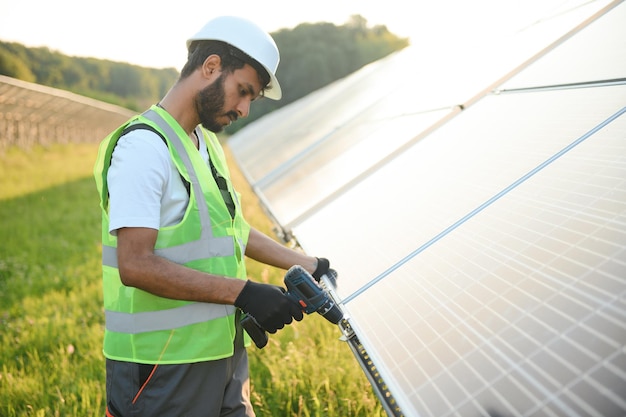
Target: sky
153,34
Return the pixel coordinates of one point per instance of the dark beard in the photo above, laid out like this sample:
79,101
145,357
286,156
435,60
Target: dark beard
210,105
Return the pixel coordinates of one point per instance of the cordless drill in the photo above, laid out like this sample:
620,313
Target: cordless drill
302,288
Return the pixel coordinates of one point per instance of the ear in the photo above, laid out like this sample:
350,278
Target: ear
211,64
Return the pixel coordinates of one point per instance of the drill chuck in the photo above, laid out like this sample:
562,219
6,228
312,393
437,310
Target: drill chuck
331,312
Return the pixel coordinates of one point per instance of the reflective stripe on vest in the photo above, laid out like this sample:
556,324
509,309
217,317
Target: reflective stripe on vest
174,318
187,252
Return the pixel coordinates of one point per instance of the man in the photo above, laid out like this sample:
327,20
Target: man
174,239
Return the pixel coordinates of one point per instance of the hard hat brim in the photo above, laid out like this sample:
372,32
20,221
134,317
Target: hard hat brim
273,90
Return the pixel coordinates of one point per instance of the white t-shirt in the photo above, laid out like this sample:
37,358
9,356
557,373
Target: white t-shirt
145,188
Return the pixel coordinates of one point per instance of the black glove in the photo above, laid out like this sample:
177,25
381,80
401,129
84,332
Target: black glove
323,268
269,305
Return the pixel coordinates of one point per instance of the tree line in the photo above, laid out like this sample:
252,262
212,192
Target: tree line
312,56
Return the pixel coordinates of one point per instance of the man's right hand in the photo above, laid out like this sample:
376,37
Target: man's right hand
269,305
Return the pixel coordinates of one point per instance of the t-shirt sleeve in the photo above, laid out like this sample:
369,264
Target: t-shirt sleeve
136,179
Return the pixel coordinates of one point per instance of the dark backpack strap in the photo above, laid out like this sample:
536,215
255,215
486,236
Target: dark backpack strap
221,182
146,126
223,186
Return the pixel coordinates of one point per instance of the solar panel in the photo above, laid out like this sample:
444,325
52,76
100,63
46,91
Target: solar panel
525,294
509,298
482,267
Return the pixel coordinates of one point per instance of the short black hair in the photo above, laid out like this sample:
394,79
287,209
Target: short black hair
232,59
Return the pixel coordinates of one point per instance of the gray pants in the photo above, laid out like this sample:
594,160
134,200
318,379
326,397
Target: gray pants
203,389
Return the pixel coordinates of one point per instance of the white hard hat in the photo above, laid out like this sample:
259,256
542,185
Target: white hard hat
249,38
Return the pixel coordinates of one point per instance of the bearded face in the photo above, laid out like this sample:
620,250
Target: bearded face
210,106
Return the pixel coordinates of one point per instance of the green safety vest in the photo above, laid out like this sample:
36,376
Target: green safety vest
142,327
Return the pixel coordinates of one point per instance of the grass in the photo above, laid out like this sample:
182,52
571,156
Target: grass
51,319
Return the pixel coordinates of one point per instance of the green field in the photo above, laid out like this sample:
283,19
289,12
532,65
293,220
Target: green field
51,320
